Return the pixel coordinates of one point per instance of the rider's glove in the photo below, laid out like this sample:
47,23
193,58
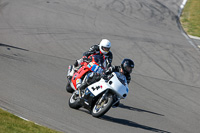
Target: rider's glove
109,70
85,59
104,76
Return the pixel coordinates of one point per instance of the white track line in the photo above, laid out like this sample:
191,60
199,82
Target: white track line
188,37
194,37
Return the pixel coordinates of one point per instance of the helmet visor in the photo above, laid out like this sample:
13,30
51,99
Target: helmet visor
128,69
105,49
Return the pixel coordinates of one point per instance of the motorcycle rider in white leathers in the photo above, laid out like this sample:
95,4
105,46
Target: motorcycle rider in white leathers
125,68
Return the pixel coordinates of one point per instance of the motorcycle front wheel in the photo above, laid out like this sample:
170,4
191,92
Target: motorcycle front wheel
74,101
69,88
101,107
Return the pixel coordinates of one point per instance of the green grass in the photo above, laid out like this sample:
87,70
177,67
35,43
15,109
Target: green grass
10,123
190,18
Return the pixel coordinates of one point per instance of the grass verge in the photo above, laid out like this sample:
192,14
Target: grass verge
10,123
190,18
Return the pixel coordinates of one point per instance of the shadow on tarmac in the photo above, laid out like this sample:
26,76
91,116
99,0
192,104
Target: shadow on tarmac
128,122
137,109
132,124
9,46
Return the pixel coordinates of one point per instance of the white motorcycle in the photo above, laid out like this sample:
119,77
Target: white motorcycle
100,96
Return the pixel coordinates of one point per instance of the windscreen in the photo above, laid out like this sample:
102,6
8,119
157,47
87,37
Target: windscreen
121,78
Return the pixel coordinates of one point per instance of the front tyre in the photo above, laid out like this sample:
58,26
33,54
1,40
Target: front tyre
69,88
101,107
74,101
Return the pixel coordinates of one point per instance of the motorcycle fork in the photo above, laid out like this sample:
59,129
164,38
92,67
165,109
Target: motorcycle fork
83,82
79,91
103,96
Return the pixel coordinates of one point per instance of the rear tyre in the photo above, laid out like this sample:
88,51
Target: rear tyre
100,108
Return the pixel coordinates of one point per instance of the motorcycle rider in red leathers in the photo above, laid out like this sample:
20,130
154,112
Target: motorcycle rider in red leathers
103,48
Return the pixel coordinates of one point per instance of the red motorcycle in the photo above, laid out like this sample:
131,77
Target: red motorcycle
94,63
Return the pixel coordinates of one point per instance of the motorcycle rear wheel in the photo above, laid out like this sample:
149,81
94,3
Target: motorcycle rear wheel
100,108
74,101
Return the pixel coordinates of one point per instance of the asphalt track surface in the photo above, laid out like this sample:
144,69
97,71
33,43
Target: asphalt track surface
40,38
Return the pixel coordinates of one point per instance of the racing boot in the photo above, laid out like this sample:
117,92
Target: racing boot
72,69
75,67
71,73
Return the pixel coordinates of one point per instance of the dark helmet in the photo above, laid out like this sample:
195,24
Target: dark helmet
127,66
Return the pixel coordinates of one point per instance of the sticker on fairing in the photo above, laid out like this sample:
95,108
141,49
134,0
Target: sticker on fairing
95,68
78,81
100,70
90,64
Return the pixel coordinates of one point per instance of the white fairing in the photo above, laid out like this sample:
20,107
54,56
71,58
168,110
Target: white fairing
113,84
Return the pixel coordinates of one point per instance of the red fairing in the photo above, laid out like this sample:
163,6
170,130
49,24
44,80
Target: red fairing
86,67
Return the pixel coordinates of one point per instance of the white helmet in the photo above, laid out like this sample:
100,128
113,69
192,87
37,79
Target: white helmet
104,46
